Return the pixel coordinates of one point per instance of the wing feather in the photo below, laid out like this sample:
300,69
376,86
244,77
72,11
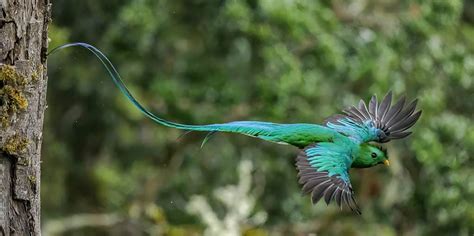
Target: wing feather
393,112
403,114
406,123
380,122
385,105
400,135
354,113
338,196
331,184
373,107
328,193
363,109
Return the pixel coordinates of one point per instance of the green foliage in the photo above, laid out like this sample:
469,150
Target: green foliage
283,61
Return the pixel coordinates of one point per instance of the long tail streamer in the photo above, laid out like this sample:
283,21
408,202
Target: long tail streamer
117,79
262,130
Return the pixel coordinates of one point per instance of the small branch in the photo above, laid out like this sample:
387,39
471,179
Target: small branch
60,226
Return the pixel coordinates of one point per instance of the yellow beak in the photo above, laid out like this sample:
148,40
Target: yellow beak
386,162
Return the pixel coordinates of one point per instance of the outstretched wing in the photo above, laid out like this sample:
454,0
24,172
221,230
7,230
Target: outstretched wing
323,172
378,122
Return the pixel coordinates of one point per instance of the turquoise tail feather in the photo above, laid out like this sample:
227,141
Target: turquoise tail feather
117,79
295,134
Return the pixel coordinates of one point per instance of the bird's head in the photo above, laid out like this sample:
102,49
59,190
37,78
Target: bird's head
370,155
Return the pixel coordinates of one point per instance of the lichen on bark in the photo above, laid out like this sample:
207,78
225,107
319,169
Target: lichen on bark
12,98
15,145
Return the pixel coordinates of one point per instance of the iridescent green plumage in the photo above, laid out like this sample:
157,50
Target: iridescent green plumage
327,151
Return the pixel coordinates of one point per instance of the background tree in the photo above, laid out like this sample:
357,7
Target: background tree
23,45
283,61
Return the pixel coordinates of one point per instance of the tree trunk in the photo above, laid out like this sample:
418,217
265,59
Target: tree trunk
23,46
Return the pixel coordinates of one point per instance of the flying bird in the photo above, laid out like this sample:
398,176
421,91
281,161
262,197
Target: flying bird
327,151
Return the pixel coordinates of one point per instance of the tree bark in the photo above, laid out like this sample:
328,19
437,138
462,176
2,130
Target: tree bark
23,79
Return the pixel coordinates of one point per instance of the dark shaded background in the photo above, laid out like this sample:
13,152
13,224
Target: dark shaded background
108,170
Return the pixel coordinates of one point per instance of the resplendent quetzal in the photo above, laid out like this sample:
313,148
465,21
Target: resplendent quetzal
326,151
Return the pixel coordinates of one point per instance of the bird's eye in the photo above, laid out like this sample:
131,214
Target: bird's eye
374,155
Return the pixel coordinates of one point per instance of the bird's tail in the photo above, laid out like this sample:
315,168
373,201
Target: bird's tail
251,128
117,79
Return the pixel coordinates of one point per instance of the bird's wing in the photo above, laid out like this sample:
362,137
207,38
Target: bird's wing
379,121
323,172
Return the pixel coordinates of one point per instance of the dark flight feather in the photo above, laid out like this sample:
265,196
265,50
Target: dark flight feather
321,185
393,121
